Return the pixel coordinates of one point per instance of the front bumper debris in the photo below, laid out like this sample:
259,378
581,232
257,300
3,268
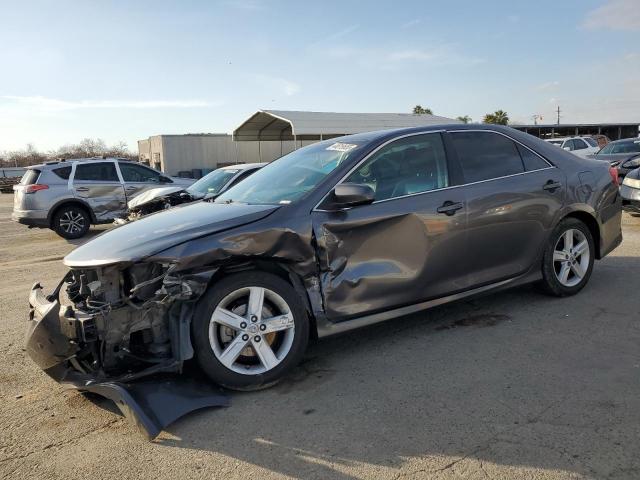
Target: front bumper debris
54,337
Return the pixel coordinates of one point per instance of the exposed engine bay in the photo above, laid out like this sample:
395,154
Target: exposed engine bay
128,319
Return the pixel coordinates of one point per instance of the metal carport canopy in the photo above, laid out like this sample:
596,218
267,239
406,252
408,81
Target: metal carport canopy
290,125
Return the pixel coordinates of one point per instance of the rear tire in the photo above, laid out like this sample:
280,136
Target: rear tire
249,329
71,222
568,259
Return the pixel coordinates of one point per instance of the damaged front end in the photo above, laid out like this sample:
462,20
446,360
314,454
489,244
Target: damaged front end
104,328
154,201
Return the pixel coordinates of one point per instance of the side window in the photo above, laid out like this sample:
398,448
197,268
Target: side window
410,165
579,144
569,144
96,172
531,160
486,155
63,172
137,173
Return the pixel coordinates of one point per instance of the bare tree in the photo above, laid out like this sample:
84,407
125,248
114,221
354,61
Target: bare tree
87,147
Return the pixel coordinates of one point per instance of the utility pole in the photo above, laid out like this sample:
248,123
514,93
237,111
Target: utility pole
558,111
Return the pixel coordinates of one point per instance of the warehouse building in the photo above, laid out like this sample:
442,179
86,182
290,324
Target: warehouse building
265,136
615,131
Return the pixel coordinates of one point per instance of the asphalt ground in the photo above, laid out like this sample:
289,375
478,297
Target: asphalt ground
512,385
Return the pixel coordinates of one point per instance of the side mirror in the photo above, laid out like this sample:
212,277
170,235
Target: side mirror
352,194
164,179
568,149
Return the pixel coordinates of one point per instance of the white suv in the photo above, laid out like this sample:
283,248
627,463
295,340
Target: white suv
580,146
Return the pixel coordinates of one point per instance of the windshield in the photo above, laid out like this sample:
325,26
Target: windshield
213,182
621,147
292,176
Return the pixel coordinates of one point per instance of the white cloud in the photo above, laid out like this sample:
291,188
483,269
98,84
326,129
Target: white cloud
411,23
547,85
412,55
390,59
287,87
54,104
615,15
335,36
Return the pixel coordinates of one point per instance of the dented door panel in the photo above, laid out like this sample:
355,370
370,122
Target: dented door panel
390,254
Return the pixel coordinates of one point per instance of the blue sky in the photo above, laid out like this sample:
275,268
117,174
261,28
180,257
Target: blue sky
125,70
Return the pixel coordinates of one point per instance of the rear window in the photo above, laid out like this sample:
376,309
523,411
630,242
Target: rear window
63,172
531,160
30,177
97,172
486,155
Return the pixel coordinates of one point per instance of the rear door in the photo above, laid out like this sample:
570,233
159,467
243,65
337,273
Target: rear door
98,184
138,178
512,196
403,248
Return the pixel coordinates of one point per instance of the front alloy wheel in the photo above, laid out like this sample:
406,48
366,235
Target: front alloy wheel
249,329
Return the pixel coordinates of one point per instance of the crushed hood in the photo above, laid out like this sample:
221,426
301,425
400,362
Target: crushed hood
154,233
152,194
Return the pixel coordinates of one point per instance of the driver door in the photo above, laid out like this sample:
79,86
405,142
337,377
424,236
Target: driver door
403,248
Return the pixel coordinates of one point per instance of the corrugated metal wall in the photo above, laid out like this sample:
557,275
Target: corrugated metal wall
176,153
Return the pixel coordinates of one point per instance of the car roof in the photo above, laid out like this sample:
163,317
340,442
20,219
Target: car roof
627,140
64,161
243,166
567,138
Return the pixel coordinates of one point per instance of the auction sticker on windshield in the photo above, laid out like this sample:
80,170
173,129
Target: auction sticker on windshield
341,147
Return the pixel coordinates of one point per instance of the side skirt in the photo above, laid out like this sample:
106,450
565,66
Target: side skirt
327,328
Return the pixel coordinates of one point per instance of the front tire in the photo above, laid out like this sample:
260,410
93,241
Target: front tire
71,222
249,330
568,258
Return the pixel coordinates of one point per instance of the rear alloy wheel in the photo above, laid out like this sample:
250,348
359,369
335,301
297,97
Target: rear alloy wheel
71,222
249,330
568,259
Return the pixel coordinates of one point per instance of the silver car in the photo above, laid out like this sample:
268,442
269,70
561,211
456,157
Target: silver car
69,196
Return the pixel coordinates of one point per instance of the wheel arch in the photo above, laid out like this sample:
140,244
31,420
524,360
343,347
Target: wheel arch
592,224
70,201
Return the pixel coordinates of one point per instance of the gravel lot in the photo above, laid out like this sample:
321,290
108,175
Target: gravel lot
512,385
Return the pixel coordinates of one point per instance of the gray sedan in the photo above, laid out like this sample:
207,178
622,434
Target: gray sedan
331,237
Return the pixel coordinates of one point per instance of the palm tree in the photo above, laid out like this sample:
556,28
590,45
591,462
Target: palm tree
418,110
499,117
465,119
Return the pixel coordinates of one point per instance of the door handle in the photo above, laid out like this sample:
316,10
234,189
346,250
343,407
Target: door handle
129,188
450,208
82,189
551,186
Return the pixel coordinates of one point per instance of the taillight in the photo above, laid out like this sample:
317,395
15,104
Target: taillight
34,188
613,171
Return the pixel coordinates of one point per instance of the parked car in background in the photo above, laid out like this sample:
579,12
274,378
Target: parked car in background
208,187
580,146
623,154
334,236
630,191
70,195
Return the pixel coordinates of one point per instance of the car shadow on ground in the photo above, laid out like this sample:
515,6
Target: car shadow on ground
511,379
